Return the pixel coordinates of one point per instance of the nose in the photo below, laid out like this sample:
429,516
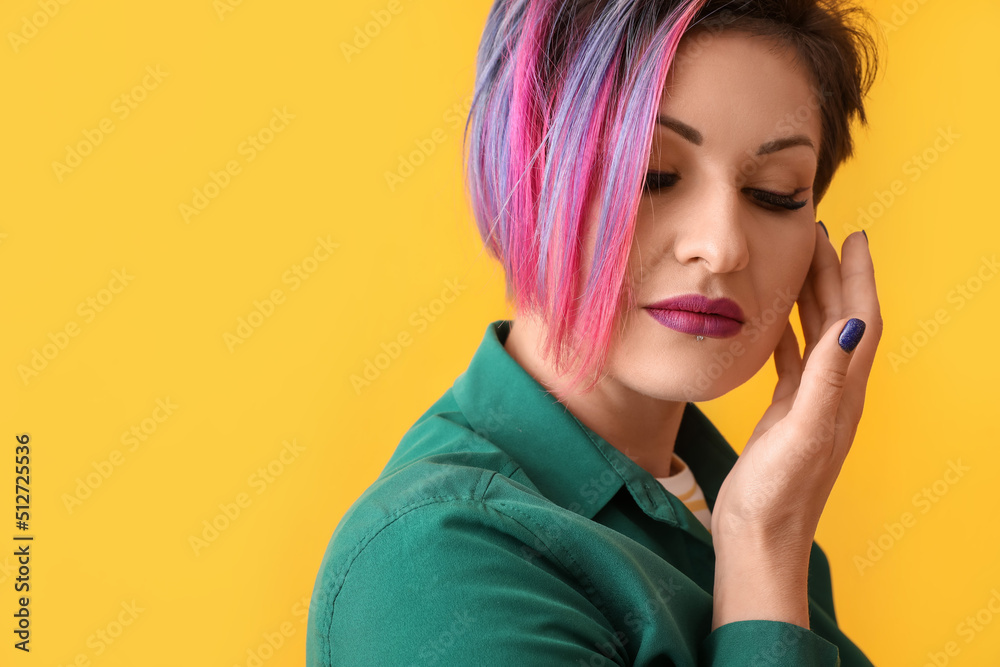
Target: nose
713,234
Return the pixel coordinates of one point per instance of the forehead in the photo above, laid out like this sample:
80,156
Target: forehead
733,86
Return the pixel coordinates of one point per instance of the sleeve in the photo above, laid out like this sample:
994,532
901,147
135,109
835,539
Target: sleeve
453,583
767,643
760,642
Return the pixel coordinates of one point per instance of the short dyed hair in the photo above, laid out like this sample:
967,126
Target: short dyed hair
563,111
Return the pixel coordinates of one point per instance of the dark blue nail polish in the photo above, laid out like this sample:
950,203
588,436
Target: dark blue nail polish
824,228
851,335
865,233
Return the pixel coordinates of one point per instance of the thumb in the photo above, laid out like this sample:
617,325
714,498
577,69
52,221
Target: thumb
825,374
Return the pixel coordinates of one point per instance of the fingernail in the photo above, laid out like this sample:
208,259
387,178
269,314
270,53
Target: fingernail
851,335
824,228
865,233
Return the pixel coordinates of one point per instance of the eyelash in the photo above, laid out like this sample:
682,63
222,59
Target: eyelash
769,200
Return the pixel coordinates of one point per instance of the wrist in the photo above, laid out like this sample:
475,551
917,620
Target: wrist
775,539
755,581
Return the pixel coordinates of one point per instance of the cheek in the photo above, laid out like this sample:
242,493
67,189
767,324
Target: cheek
802,257
785,261
782,271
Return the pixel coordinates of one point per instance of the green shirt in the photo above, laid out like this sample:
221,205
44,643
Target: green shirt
503,531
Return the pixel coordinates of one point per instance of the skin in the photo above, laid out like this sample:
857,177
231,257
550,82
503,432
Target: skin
708,234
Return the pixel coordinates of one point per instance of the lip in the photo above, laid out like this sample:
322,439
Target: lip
698,315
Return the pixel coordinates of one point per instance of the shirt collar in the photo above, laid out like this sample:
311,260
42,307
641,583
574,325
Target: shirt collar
568,462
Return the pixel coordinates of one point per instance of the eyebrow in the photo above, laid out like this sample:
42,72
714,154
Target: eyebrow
696,138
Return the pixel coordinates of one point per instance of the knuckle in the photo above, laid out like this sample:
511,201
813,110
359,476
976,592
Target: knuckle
832,377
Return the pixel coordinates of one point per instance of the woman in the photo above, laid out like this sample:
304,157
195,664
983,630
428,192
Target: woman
647,172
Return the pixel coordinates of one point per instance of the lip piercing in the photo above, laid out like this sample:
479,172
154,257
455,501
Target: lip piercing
699,338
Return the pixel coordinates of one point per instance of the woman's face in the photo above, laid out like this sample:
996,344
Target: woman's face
704,227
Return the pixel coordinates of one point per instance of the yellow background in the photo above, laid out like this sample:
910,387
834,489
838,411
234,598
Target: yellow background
161,334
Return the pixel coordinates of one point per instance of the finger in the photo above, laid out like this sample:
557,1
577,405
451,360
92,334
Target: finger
809,311
861,300
788,364
824,380
825,279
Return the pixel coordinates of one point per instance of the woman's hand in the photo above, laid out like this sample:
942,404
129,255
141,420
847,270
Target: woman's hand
769,505
784,476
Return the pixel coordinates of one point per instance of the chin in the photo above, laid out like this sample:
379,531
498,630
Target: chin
688,375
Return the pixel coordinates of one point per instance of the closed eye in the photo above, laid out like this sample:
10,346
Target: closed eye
773,201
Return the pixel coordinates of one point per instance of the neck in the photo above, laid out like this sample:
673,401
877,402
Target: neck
642,427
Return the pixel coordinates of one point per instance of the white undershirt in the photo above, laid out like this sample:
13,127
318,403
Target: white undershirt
683,485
